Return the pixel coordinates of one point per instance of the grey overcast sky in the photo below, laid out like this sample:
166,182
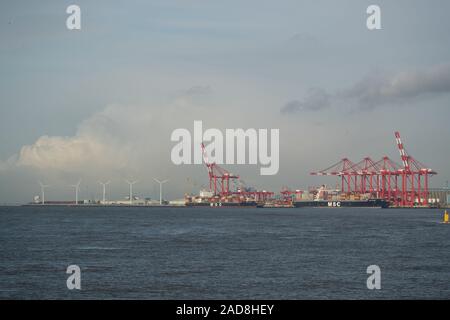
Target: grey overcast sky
100,103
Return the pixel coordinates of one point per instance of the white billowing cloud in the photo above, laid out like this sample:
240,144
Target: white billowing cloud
116,138
98,143
8,164
69,153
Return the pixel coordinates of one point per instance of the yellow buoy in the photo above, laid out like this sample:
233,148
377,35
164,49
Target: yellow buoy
445,216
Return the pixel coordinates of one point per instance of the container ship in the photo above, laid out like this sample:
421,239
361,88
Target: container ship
372,203
324,197
208,199
321,197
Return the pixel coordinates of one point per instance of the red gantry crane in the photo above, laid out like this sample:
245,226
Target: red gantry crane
381,179
217,174
342,169
414,178
219,182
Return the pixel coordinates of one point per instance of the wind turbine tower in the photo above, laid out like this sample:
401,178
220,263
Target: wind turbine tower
131,184
77,188
160,189
104,184
43,186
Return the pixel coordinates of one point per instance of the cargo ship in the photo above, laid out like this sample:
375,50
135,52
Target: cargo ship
323,197
372,203
276,203
208,199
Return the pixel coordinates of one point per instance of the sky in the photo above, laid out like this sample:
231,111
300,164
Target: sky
100,103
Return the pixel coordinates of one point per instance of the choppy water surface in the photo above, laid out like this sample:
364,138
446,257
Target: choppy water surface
220,253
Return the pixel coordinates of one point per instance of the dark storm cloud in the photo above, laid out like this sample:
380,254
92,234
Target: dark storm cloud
316,99
378,89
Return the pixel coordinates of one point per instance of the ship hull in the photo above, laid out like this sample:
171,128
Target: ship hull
221,204
372,203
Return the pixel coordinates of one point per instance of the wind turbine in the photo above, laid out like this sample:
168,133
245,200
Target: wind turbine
104,184
131,183
77,188
43,186
160,189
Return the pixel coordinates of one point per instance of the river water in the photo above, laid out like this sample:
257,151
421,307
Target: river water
223,253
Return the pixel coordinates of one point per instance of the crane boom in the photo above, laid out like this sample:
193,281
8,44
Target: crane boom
401,149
